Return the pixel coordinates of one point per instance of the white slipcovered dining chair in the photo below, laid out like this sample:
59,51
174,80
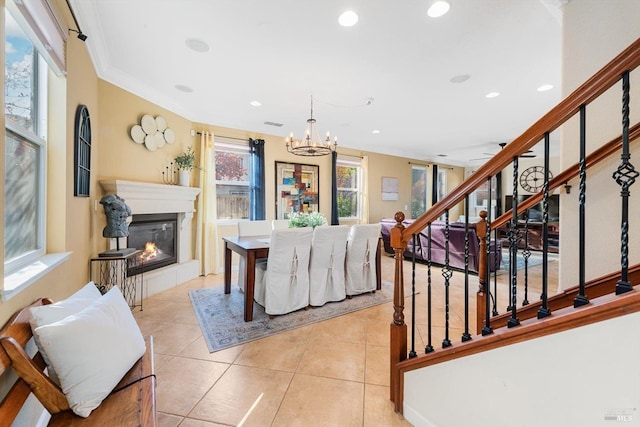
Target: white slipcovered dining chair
282,280
278,224
250,228
326,267
360,263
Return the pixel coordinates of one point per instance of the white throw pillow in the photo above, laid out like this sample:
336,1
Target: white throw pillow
46,314
92,350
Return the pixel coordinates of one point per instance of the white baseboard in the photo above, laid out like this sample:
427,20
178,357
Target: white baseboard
415,418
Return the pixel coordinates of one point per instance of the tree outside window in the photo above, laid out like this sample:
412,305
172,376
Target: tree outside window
418,190
25,148
232,180
348,178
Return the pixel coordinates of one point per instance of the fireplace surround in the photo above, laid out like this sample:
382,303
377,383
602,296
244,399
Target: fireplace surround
159,199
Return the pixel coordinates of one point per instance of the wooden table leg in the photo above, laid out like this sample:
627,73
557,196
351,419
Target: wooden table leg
250,284
378,268
227,269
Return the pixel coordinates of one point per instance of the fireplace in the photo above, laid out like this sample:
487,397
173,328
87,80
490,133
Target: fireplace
149,199
156,235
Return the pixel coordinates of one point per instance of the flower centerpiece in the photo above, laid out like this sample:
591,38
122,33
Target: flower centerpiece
303,219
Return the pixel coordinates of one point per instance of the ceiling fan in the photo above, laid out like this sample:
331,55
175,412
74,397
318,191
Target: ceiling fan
526,155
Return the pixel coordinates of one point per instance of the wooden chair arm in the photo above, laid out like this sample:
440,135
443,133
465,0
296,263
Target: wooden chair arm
47,392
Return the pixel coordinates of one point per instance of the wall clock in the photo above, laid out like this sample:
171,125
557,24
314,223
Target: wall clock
532,178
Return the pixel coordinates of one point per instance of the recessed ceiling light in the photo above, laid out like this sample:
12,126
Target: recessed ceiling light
492,94
545,88
197,45
460,78
442,155
438,9
348,18
256,103
184,88
376,131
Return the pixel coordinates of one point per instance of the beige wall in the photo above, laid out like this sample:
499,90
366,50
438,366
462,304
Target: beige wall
77,224
69,219
588,47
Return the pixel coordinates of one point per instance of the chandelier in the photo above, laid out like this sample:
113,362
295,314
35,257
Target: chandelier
311,144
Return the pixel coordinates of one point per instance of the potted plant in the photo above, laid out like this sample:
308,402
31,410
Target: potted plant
185,162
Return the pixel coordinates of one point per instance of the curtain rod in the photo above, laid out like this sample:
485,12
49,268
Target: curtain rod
420,164
194,133
350,155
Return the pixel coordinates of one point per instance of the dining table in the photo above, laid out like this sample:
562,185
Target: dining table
252,248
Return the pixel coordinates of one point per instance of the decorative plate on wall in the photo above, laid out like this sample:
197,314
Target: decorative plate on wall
137,134
152,132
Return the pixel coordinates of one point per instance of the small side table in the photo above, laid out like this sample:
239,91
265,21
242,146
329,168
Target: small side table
126,272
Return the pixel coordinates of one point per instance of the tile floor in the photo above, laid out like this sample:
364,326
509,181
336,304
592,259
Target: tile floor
332,373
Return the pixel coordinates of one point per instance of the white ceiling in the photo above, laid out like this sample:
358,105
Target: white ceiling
280,52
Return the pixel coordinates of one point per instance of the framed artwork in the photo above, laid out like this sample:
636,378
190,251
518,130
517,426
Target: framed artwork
296,189
389,188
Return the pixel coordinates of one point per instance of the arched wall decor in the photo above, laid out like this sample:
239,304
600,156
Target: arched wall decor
82,152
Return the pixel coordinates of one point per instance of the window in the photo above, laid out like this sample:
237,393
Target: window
349,180
232,180
418,190
442,183
25,148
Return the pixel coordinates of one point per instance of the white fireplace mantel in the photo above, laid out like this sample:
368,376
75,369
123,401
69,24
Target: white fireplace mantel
148,198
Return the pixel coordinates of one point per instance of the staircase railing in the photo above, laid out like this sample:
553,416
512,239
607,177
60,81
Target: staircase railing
616,70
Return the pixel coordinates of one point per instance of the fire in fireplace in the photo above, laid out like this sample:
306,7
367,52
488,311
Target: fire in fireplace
156,236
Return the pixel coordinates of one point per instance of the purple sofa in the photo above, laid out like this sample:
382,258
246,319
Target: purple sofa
456,245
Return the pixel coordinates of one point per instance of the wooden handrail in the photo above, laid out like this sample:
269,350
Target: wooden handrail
595,288
603,308
604,79
595,157
600,82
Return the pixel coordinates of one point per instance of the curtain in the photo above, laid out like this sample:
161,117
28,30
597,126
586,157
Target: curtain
207,244
256,180
365,189
334,189
434,185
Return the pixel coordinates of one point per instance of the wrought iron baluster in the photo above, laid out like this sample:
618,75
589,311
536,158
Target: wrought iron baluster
466,336
526,253
625,176
496,265
486,328
446,273
581,299
413,353
513,247
494,296
544,311
429,347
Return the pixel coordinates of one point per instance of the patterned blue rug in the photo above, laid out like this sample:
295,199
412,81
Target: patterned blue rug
534,259
221,316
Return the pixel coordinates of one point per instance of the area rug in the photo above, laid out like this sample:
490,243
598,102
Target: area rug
534,259
221,315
